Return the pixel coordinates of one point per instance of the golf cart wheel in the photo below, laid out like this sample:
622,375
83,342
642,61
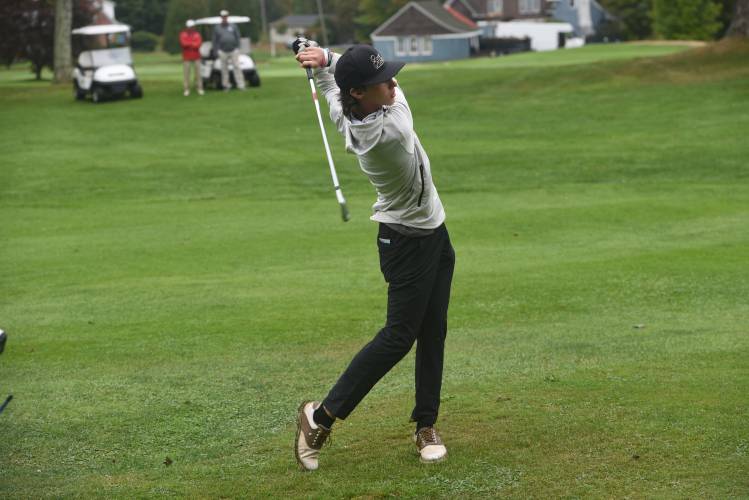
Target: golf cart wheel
136,91
254,79
97,95
78,93
216,77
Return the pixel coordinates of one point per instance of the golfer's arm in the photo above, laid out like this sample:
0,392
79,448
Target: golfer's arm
326,83
401,111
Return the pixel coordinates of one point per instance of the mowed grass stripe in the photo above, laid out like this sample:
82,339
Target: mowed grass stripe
176,279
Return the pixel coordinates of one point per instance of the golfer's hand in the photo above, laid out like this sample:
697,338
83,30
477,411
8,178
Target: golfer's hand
311,57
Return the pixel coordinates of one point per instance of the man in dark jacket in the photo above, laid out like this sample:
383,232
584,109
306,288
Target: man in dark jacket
226,42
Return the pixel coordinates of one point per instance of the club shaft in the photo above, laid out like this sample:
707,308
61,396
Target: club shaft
7,400
336,185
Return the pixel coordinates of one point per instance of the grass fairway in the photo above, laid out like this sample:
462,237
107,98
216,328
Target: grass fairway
176,279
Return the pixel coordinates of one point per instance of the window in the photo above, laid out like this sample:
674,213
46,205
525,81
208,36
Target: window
426,46
530,6
414,46
401,47
494,7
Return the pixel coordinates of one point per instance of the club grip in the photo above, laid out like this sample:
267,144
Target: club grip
309,73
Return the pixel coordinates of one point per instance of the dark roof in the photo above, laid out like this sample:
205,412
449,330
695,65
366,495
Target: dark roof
297,20
437,10
477,7
431,12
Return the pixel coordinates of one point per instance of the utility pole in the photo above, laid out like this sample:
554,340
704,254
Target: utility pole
266,30
322,23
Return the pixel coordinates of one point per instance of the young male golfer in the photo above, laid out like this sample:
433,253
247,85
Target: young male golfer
416,257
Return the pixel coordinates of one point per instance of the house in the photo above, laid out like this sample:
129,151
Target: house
285,30
513,25
586,16
528,35
426,31
502,10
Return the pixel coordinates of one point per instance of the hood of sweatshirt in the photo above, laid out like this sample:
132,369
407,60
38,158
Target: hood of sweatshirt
363,135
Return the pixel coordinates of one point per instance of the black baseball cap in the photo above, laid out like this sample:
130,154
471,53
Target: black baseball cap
362,65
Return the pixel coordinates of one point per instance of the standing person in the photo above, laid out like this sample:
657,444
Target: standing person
416,256
226,41
190,40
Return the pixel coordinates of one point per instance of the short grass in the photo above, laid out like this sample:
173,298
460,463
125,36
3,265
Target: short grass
176,279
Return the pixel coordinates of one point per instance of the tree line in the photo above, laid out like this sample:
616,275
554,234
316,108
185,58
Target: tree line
28,26
353,20
346,21
670,19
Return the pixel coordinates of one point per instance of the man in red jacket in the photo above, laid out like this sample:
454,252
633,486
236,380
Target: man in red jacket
190,41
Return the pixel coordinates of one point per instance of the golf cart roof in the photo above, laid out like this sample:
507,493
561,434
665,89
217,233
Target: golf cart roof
102,29
217,20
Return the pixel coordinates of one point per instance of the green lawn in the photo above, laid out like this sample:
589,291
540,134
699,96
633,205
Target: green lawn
176,279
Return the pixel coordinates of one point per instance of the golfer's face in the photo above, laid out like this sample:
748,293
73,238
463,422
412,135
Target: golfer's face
382,94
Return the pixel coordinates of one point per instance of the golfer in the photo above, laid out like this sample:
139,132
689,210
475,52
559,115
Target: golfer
416,257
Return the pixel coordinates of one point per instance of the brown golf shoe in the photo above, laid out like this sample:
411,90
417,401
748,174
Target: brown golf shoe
309,436
430,445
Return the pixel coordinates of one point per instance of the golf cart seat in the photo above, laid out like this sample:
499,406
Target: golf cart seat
85,61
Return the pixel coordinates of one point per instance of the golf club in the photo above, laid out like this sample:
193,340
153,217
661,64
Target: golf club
300,44
3,338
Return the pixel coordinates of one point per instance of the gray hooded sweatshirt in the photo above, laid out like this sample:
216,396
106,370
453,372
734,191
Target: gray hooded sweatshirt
391,156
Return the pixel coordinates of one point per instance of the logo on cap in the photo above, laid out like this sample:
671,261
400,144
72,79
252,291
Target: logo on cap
377,61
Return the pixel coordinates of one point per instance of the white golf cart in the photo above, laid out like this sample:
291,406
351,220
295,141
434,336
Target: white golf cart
210,67
104,65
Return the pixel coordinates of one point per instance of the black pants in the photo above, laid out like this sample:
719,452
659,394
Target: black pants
419,272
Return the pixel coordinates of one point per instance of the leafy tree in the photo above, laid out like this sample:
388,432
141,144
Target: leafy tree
178,12
143,41
143,15
726,15
12,18
372,13
686,19
632,17
296,6
342,25
37,36
28,28
242,8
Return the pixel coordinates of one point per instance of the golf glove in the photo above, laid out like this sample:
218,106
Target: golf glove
302,43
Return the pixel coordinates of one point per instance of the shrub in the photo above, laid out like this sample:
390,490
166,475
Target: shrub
143,41
686,19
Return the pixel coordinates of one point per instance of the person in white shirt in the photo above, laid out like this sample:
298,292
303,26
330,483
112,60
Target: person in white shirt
416,256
